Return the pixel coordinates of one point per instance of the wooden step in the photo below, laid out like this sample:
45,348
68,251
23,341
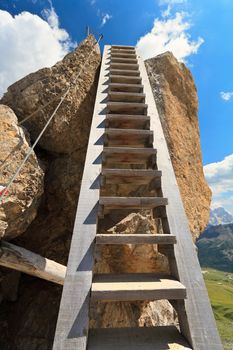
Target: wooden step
124,66
126,107
130,155
132,202
121,238
124,60
137,176
124,72
121,51
124,87
127,47
141,338
136,286
128,121
128,137
116,96
125,79
123,55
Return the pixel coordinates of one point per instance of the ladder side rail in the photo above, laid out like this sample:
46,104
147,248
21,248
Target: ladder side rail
73,319
202,326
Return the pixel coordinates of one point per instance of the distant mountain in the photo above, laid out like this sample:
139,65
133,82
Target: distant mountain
215,247
220,216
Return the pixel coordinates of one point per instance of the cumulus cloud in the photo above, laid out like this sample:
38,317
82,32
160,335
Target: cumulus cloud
28,43
219,176
169,35
226,96
170,4
105,17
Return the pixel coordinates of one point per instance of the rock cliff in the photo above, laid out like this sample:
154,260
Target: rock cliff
176,99
29,322
20,204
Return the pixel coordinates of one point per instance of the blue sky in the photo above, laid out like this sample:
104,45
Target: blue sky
207,30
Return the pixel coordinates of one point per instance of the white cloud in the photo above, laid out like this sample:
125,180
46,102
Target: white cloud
226,96
219,176
28,43
105,17
169,35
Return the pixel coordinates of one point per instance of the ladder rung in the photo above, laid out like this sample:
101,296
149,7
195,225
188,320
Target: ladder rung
124,66
122,107
123,87
137,176
125,79
124,60
136,286
126,96
128,132
124,72
140,338
130,155
127,121
123,47
121,238
123,55
132,202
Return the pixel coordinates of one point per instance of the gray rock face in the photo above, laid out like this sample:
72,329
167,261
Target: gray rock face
67,130
19,206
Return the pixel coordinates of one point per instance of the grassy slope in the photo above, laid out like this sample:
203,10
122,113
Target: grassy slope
220,289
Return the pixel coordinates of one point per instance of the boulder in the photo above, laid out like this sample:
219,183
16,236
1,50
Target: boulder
176,98
20,204
38,94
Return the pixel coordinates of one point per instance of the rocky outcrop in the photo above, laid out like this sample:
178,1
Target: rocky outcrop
176,98
38,95
20,204
63,155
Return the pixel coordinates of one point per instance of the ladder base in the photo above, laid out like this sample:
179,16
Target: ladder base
143,338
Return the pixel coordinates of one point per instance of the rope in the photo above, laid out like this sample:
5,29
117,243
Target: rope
6,190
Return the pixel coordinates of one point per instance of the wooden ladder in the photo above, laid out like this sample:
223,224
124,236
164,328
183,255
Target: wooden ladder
127,145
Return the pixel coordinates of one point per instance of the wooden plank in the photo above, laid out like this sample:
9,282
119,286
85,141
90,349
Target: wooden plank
132,202
127,66
121,238
128,132
123,47
124,72
23,260
129,155
124,60
127,121
126,107
123,96
123,55
202,331
125,87
135,286
73,318
125,79
130,151
142,338
151,174
134,176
